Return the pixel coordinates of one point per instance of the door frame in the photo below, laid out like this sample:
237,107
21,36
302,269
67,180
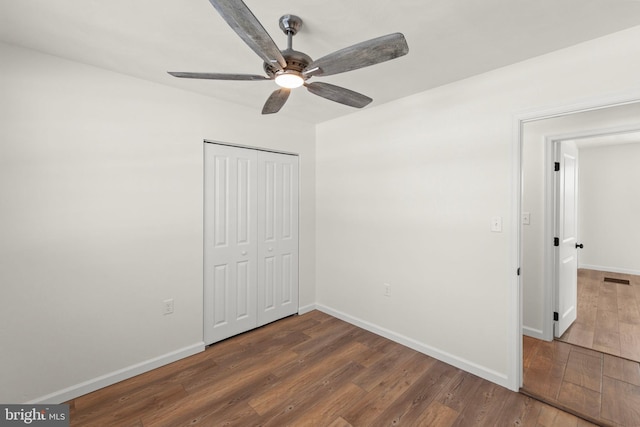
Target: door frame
515,279
550,285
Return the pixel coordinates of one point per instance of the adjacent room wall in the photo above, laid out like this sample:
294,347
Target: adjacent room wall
609,205
406,192
101,189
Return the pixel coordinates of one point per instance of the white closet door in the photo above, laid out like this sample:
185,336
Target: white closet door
277,236
230,286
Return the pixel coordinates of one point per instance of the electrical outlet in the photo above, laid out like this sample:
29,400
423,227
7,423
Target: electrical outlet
387,290
168,306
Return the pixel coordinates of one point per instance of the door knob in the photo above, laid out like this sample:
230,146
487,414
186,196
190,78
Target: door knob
579,246
244,252
270,249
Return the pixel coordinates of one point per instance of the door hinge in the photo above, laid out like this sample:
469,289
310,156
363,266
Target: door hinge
555,316
556,241
556,166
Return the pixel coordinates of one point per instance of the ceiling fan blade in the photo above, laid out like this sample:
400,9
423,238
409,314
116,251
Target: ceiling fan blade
276,100
218,76
247,26
359,55
339,94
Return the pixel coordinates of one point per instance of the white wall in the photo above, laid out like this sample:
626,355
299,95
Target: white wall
101,206
406,192
101,184
536,290
609,207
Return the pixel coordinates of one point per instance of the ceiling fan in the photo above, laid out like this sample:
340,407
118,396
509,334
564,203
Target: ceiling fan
290,68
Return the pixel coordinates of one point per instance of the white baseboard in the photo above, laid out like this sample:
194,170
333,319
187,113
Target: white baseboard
306,309
458,362
610,269
533,333
117,376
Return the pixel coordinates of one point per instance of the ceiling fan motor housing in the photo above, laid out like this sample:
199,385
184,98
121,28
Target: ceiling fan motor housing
296,61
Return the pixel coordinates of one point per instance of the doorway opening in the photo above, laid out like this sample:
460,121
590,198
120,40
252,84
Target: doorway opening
536,304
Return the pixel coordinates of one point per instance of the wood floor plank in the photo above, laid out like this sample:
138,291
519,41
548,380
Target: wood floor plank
340,422
376,342
461,389
325,410
204,402
334,333
290,384
581,334
553,417
607,332
255,351
306,379
391,384
149,382
580,399
584,370
437,414
293,404
238,373
127,410
423,391
622,369
391,365
328,327
485,410
621,402
628,307
553,351
530,348
630,341
519,411
545,375
608,297
241,415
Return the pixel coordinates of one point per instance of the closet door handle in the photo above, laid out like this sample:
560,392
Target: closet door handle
579,246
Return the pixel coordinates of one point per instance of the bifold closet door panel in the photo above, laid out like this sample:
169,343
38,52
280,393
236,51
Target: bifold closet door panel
277,236
230,209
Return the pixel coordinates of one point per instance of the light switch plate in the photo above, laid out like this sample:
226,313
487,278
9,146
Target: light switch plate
496,224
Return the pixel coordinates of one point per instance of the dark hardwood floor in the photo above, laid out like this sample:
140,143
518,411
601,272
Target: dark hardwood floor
608,317
311,370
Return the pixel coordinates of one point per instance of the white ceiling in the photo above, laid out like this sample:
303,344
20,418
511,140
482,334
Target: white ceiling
448,40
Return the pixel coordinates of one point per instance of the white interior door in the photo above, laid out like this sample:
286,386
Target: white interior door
230,276
567,230
277,236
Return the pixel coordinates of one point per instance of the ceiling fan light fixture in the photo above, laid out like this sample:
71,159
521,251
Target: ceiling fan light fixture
289,79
